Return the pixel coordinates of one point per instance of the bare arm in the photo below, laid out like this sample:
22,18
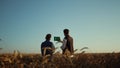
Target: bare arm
60,41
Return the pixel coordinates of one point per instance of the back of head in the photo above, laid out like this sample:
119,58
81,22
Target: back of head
66,31
48,36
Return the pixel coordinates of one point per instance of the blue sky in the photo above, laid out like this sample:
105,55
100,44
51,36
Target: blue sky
92,23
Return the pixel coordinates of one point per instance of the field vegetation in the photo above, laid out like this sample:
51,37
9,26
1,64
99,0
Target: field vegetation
78,60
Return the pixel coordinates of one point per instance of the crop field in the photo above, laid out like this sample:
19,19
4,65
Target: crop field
80,60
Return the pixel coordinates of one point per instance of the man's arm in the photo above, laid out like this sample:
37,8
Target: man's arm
60,41
42,49
53,46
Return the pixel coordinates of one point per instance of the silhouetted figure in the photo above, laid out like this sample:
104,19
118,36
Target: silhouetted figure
47,47
67,42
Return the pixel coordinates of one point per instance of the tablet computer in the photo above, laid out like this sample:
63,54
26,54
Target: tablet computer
56,38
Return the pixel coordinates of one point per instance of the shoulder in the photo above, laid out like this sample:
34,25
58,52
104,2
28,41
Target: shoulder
70,38
43,42
48,42
51,42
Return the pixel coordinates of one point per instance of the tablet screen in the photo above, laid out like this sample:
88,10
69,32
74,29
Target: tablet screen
56,38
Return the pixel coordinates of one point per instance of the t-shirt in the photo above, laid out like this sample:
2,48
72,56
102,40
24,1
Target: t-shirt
49,44
64,44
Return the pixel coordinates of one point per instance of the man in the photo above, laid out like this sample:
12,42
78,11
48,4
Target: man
47,47
67,42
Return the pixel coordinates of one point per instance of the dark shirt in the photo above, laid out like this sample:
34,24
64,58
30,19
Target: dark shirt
47,43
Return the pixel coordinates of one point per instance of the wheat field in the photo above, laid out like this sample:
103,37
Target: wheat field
80,60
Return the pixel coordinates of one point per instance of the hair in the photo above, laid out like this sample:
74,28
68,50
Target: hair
48,36
66,31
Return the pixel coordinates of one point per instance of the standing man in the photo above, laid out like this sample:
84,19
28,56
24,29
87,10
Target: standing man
67,42
47,46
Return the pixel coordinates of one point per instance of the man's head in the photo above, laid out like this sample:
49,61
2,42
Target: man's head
66,32
48,36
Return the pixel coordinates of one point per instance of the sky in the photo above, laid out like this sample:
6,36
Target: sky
92,23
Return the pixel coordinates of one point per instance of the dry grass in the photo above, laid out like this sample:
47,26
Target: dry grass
81,60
